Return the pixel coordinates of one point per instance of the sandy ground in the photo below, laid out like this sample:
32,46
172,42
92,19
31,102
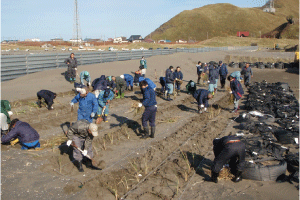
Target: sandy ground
154,168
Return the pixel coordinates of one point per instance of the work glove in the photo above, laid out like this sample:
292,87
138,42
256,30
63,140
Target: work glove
205,109
140,105
89,83
93,114
69,142
202,106
208,81
84,152
71,104
230,92
156,106
10,113
76,69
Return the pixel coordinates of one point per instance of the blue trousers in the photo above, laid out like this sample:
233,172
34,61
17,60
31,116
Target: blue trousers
85,116
216,85
129,82
170,88
149,115
34,144
211,88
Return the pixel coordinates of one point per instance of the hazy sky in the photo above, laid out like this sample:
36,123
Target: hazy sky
46,19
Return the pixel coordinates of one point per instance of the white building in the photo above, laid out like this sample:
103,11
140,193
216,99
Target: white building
33,40
120,40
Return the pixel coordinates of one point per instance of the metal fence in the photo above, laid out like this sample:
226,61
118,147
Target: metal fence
14,66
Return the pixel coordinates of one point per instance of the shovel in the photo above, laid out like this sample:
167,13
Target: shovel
93,162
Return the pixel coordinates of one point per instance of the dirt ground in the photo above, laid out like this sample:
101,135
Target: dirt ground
159,168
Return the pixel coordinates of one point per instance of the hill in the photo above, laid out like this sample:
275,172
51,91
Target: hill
225,20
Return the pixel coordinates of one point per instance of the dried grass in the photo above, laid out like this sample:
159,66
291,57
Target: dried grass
53,142
224,174
169,120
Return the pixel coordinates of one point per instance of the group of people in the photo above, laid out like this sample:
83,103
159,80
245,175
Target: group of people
92,106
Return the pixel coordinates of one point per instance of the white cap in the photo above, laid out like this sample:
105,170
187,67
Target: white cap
81,90
94,129
122,76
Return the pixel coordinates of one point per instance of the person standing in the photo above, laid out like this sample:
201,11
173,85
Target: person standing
162,81
202,96
178,79
48,96
120,85
248,74
143,65
212,80
149,101
232,149
237,91
6,113
223,74
137,75
170,81
199,71
72,67
205,74
88,105
129,81
27,136
85,75
217,68
104,99
81,135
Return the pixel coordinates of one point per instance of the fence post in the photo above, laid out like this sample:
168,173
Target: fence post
26,64
56,60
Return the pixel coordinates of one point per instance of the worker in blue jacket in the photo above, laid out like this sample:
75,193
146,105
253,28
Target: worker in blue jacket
237,91
99,84
129,80
85,75
170,81
104,99
28,136
149,101
217,68
151,84
202,96
88,105
199,71
212,80
48,96
248,74
178,79
228,149
223,73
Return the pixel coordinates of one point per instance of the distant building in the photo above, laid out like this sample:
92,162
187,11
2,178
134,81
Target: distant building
271,10
242,34
9,41
75,40
164,41
110,40
120,40
149,40
33,40
181,41
135,38
57,40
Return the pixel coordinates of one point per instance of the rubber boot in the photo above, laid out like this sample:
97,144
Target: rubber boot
169,98
152,131
89,164
214,177
238,177
131,88
146,133
122,95
119,96
79,166
105,118
39,103
178,90
166,93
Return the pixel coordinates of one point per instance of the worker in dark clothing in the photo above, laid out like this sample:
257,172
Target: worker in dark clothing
72,67
99,84
228,149
170,81
237,91
149,101
27,136
205,74
137,75
48,96
191,87
199,71
120,85
129,81
6,113
217,68
162,81
178,79
248,74
212,80
82,133
202,96
223,73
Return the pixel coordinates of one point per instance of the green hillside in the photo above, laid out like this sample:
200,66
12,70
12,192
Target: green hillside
225,20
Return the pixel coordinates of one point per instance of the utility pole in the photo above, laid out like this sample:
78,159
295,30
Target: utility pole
76,28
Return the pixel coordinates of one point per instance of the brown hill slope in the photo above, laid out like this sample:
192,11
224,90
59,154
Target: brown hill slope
223,20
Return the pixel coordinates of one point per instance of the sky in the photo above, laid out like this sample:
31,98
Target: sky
47,19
